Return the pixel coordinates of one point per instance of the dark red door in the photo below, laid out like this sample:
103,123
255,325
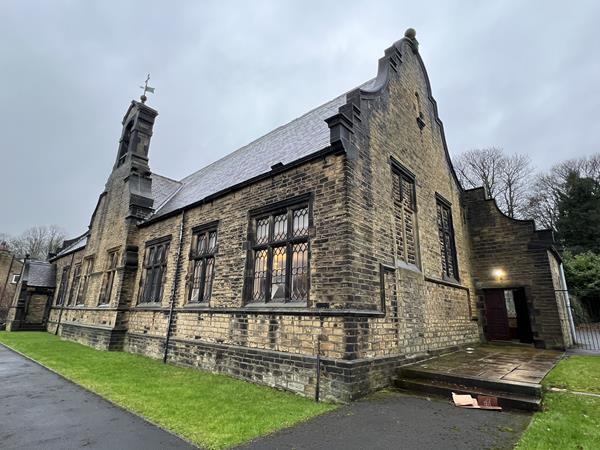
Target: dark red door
495,314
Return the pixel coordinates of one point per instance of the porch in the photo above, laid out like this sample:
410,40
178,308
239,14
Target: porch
513,373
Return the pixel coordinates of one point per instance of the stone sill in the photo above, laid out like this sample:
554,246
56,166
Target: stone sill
449,283
287,310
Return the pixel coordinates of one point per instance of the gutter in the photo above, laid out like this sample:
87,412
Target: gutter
174,287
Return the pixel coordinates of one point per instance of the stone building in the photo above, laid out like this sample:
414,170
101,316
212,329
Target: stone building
343,233
34,291
10,273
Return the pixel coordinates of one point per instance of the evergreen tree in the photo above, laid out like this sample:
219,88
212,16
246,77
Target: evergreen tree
578,223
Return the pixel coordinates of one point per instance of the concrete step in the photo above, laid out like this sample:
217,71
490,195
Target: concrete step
511,387
444,389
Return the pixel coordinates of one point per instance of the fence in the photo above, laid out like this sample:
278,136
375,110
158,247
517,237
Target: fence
586,321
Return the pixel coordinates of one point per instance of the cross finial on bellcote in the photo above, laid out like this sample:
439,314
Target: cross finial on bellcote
146,88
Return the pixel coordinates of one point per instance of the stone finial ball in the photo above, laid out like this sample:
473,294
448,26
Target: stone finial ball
410,33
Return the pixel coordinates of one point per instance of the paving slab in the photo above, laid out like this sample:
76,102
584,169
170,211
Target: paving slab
41,410
400,421
495,362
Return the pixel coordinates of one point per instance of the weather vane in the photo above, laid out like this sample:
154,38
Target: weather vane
146,88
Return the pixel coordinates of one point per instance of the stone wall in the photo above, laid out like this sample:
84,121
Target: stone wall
514,246
9,267
398,122
278,329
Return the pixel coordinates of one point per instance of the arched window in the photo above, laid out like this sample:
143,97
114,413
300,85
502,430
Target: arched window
124,147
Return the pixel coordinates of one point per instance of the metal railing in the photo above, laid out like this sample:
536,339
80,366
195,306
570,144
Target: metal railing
586,321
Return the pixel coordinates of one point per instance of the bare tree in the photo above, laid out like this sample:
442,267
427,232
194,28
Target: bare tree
542,204
505,178
515,180
38,241
481,167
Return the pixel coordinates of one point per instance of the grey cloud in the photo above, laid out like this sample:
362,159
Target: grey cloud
513,74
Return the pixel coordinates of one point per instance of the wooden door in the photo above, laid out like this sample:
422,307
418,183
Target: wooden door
496,317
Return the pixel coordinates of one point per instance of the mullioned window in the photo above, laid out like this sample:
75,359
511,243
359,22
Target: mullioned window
279,258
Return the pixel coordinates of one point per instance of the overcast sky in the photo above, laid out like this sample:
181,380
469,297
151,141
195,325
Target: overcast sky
522,75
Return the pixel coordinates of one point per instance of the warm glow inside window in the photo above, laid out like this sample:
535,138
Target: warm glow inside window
280,256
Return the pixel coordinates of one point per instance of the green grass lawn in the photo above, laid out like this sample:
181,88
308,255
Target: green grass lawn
568,421
576,373
213,411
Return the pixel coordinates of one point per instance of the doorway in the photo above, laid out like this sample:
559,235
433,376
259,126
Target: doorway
507,315
36,309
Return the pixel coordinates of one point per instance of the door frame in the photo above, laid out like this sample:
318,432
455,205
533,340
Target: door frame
529,338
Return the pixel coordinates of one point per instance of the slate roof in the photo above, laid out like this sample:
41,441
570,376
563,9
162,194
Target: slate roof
299,138
163,189
39,274
72,245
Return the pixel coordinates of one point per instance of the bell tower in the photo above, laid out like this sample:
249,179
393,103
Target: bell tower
132,158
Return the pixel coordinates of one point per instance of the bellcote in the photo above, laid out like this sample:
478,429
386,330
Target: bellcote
135,137
131,164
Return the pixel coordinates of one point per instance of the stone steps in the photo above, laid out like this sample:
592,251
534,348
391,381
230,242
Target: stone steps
510,394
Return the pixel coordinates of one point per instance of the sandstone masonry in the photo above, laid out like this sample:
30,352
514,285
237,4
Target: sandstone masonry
383,258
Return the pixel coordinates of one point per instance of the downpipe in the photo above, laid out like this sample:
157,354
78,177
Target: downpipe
62,305
174,288
318,377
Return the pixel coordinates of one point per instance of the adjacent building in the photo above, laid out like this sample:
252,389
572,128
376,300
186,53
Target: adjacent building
10,273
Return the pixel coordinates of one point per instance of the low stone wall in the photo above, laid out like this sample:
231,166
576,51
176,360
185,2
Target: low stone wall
97,337
340,380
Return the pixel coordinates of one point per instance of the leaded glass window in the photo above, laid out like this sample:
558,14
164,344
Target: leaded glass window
446,238
62,290
75,285
202,264
405,217
280,256
109,278
154,273
89,266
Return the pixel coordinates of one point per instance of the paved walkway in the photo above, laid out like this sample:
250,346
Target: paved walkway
398,421
40,410
495,362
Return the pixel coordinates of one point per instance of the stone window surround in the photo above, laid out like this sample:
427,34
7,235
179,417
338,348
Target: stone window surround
75,284
165,242
203,259
451,251
88,263
398,169
270,210
62,289
124,143
15,278
109,277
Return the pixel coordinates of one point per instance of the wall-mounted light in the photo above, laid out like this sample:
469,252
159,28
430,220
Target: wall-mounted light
499,274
